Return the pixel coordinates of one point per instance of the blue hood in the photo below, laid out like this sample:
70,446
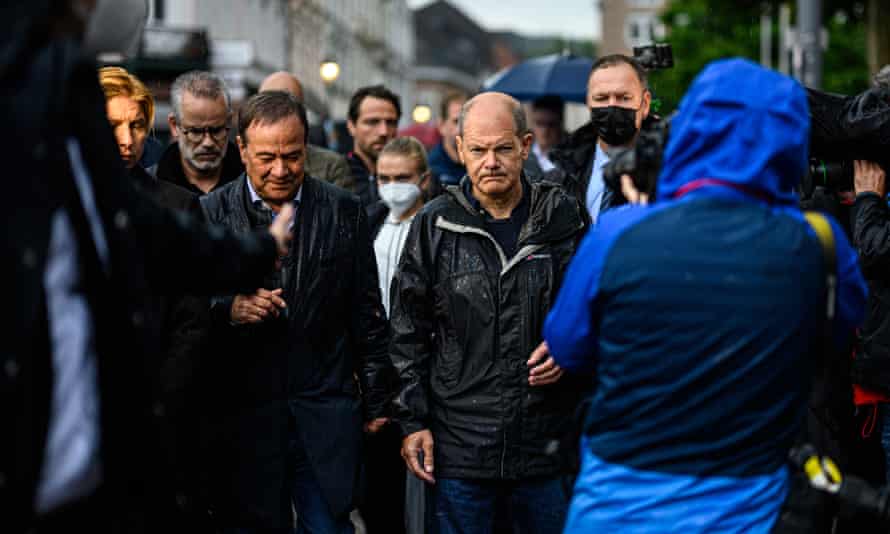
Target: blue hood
742,124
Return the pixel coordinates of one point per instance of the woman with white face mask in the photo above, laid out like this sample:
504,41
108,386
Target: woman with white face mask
402,172
402,177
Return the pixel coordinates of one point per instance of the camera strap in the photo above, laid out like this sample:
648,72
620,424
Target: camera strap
822,227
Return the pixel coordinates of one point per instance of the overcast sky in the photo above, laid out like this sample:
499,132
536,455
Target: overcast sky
565,18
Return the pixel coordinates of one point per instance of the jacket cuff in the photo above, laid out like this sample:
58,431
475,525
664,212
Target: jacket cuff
410,426
867,194
220,311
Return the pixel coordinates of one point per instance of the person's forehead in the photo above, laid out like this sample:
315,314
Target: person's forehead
375,107
615,77
390,164
454,108
541,114
197,108
123,107
489,120
287,132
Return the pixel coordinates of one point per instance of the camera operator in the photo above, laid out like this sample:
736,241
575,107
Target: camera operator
870,218
699,347
618,98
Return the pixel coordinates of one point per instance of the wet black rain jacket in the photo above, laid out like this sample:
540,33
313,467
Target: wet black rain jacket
465,319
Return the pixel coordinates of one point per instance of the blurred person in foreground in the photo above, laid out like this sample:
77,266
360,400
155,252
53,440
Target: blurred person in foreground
75,395
302,367
176,327
481,399
321,163
702,348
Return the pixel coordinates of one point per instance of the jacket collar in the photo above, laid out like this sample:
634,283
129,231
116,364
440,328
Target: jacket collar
553,214
170,167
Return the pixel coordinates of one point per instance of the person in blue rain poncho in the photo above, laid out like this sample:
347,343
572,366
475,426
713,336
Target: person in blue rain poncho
697,316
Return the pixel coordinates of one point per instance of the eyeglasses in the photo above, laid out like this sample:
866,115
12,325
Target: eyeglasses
196,135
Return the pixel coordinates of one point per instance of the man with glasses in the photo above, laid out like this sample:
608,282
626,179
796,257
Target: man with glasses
202,158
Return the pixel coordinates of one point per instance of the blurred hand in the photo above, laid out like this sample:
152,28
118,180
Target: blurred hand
256,308
280,229
543,367
372,427
868,177
412,445
630,192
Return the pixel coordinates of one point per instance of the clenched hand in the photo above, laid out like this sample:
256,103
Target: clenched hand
256,308
543,367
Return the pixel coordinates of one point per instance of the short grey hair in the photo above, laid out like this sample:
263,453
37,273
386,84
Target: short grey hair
200,84
520,122
882,78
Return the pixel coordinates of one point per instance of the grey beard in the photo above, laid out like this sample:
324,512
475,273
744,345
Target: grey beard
188,155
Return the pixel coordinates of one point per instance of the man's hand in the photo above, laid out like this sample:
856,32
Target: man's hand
543,367
258,307
412,445
630,192
868,177
372,427
280,229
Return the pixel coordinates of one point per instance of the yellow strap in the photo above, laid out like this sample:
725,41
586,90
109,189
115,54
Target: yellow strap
826,237
823,231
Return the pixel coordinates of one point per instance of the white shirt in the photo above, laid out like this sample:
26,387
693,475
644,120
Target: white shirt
388,249
255,197
543,160
71,464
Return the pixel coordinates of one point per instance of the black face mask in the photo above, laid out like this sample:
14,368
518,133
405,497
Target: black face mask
614,124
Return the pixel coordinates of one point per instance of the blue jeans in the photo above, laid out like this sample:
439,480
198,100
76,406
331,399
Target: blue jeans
465,506
313,514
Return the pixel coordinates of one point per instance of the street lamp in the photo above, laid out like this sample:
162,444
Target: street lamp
422,114
330,71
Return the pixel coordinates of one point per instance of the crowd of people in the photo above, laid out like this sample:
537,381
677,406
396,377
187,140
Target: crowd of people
256,334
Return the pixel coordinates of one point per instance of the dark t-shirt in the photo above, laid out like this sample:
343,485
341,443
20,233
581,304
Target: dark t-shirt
505,231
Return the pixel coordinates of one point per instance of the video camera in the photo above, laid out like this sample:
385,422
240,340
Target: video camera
843,129
642,161
853,494
655,56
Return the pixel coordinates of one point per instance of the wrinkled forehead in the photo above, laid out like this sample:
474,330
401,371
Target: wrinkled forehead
288,134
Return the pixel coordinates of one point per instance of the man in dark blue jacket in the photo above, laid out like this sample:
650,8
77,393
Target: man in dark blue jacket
701,345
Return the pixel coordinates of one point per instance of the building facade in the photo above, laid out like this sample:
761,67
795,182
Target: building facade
371,40
630,23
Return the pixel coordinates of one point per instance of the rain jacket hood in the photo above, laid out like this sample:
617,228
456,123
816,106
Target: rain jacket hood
766,157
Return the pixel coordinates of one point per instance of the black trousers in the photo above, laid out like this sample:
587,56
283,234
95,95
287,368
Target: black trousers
383,503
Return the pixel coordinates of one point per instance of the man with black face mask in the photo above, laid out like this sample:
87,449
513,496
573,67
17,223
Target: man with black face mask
619,103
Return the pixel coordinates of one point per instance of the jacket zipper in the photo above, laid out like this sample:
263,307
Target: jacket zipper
506,265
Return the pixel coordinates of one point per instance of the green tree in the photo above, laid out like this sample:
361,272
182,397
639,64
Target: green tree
701,31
